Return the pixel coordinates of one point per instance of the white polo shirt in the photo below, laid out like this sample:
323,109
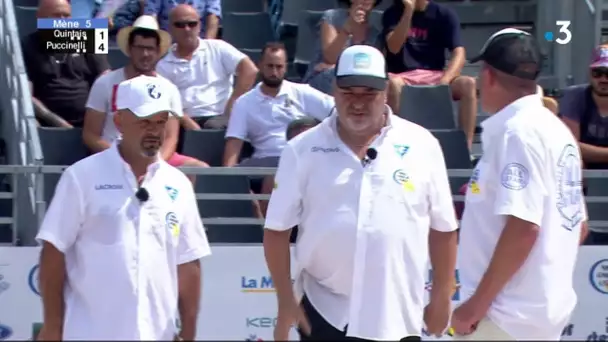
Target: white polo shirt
530,169
262,120
102,98
122,256
362,249
204,81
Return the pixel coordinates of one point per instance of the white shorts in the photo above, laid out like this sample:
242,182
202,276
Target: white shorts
486,331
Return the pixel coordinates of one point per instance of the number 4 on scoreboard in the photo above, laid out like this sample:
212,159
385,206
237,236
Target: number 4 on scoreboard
101,41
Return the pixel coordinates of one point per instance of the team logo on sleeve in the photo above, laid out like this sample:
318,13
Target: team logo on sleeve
515,177
172,223
403,179
570,187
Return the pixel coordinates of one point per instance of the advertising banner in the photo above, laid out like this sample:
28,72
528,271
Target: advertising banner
239,301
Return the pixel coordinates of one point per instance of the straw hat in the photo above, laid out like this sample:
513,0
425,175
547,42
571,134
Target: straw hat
144,22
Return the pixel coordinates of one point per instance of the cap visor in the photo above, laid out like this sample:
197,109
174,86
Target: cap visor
373,82
151,109
476,59
602,64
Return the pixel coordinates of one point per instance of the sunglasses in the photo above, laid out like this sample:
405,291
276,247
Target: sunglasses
599,72
183,24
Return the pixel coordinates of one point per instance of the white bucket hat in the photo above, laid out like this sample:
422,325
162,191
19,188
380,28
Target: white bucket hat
144,22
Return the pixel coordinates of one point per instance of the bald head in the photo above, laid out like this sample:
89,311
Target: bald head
185,26
54,9
181,11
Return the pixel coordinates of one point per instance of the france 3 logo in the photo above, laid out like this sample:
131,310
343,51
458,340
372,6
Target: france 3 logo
563,36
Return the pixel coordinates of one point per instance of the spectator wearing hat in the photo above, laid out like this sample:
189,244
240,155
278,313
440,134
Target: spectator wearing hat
208,13
416,35
203,70
59,82
144,43
584,109
340,28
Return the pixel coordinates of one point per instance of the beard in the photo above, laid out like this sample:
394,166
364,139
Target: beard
150,146
272,82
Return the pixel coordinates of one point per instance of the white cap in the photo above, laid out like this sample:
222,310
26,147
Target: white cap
361,66
144,96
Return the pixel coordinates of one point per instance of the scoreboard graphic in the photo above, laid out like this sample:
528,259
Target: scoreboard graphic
69,35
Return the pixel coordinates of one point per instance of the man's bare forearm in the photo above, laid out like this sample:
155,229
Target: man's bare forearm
52,284
442,249
396,39
594,154
212,26
278,259
189,275
46,115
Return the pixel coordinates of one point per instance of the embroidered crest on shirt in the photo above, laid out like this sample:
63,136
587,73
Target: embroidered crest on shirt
515,176
172,223
172,192
403,179
474,182
401,150
569,187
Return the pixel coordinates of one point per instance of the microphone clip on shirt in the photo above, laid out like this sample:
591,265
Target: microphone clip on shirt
370,156
142,195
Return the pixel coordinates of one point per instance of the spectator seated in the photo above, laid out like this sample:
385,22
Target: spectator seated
338,29
59,82
202,70
143,43
262,115
419,58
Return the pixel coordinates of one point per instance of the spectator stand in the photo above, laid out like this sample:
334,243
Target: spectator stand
478,18
18,202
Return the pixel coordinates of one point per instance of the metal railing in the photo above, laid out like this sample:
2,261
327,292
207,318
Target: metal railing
18,121
39,171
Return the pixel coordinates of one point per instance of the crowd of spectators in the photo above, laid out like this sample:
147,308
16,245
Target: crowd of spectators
216,86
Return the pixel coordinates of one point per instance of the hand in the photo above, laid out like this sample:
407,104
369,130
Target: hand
466,317
444,81
437,316
110,23
409,3
289,315
48,333
323,66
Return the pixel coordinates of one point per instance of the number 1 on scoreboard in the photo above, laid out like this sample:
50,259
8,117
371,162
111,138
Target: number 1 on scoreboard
101,41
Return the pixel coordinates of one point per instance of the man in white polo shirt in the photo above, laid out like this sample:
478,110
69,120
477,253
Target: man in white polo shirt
144,43
122,238
522,223
369,193
203,71
262,115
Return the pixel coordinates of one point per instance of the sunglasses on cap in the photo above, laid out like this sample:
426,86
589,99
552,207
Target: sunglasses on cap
183,24
599,72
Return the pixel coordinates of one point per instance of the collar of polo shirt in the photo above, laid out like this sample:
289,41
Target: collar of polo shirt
173,57
496,121
285,90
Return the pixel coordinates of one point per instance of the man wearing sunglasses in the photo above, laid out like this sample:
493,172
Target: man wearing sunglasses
584,109
209,13
202,70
